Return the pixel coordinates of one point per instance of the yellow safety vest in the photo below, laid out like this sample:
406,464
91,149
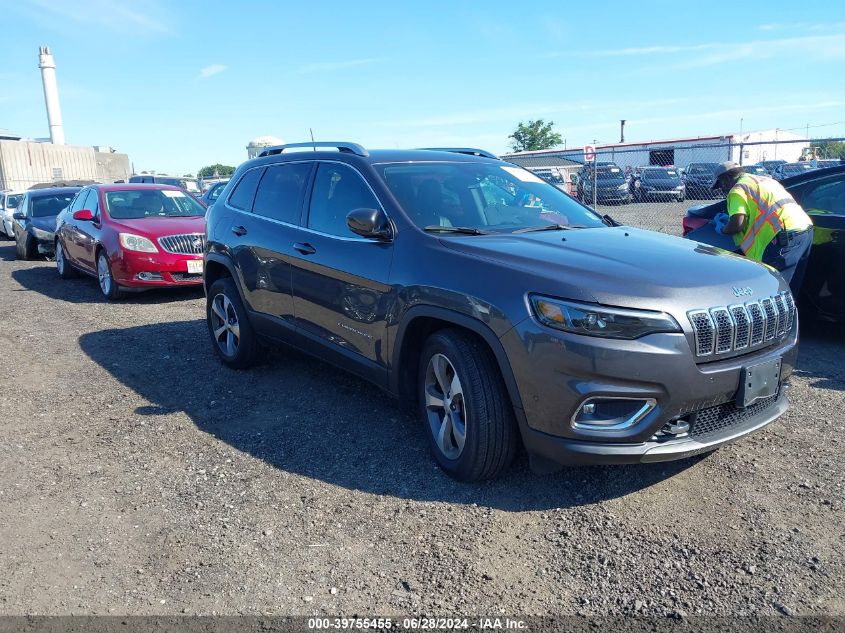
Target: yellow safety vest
768,209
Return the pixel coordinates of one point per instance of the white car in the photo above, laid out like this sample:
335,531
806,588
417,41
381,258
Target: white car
9,200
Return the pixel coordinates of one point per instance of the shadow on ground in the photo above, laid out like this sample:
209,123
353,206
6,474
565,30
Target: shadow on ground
306,417
45,280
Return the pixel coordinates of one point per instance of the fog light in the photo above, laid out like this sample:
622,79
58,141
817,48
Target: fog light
611,414
150,276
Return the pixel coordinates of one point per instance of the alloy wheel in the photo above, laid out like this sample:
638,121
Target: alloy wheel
224,324
104,275
445,406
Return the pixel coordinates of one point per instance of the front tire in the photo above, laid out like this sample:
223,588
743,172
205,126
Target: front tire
108,286
464,407
65,270
24,251
231,332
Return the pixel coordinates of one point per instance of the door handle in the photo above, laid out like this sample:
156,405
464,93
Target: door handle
239,230
305,248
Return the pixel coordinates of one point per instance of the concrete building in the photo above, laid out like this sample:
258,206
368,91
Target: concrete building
257,145
26,163
745,149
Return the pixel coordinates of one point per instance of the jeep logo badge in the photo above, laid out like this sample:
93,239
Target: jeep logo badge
742,292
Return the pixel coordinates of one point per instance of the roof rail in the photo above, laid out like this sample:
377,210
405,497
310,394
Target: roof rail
349,148
470,151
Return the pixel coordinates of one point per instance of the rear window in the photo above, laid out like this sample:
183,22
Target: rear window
137,204
46,206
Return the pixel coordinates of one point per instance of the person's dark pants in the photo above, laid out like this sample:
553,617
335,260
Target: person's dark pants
788,252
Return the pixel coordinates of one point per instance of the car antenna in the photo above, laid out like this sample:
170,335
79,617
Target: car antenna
312,139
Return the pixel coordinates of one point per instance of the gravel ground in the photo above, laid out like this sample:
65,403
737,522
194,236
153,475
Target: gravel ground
139,476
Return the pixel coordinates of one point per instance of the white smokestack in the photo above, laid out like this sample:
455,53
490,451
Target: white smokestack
51,95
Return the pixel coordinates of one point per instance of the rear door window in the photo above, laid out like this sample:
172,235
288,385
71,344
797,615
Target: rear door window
244,194
279,195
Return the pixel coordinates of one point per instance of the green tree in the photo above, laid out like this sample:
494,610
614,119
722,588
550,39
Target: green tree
830,149
535,135
222,171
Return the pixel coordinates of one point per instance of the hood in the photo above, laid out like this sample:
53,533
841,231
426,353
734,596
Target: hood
622,266
45,223
155,227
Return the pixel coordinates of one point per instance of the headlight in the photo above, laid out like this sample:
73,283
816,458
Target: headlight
41,234
596,320
137,243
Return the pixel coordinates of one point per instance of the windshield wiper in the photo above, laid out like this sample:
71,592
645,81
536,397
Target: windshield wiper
551,227
466,230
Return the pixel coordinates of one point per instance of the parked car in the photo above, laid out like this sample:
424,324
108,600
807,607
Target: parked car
424,272
770,165
188,184
610,184
656,183
213,192
132,237
822,194
9,201
791,169
34,220
699,179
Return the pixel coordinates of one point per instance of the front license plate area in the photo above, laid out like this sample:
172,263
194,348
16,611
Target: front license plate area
195,266
758,381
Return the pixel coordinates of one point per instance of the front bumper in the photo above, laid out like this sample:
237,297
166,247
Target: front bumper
172,269
557,372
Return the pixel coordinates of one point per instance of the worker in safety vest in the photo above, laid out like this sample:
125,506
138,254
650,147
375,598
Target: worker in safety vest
765,222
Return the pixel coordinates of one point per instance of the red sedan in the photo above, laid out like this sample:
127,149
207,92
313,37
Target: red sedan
132,237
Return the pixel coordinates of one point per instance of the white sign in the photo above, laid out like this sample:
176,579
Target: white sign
589,153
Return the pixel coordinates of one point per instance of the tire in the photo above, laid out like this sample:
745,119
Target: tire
24,251
482,409
681,197
63,267
105,279
231,333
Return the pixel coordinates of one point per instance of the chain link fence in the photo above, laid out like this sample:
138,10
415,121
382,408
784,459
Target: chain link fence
651,185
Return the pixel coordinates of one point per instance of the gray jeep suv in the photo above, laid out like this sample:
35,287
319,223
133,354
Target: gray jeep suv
505,310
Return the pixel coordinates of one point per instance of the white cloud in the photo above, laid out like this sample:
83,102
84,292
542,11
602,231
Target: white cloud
116,15
320,67
210,71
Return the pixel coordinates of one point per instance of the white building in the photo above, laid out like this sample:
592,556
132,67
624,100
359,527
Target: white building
258,145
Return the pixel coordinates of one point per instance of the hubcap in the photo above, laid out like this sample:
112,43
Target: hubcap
444,405
104,275
224,325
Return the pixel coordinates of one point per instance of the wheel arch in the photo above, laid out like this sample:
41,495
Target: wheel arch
417,325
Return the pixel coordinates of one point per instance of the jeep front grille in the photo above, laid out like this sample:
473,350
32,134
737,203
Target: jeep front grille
737,327
184,244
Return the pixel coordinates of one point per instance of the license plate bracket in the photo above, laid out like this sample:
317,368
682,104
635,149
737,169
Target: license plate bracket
758,381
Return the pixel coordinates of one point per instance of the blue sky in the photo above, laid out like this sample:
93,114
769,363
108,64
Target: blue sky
182,84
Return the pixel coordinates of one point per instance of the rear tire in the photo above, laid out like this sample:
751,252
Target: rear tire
464,407
63,267
231,333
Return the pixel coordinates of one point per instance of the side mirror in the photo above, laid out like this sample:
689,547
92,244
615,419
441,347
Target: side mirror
83,215
18,216
369,223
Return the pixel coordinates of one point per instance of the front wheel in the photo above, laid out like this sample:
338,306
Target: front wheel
65,270
228,324
464,407
108,286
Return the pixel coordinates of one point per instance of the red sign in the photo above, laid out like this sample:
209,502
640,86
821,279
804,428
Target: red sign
589,153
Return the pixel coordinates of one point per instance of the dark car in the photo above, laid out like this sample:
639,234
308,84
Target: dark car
427,273
822,194
699,179
791,169
657,183
609,180
132,237
183,182
213,192
34,220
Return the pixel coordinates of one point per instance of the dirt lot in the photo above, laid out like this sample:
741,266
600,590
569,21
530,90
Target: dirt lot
138,476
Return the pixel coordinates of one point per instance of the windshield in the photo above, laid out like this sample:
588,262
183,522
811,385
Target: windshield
12,201
708,169
660,174
483,196
609,173
46,206
137,204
